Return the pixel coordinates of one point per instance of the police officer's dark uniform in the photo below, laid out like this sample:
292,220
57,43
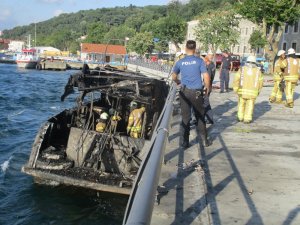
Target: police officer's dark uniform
224,76
191,95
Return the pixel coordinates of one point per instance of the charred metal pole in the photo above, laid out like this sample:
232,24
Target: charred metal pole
141,202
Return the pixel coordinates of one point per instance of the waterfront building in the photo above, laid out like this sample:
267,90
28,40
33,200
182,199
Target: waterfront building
16,46
4,44
291,37
102,53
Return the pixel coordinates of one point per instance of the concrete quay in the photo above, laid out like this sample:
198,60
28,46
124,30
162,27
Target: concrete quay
250,175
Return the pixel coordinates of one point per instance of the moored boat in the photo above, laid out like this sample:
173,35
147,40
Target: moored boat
28,59
99,144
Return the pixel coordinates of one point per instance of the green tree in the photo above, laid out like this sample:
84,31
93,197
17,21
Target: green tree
96,33
270,15
136,21
161,46
172,28
257,40
217,30
141,43
117,35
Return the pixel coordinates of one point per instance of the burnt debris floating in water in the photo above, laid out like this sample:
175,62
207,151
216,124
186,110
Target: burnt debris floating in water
100,143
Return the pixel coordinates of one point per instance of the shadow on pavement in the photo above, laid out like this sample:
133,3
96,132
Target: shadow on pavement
224,120
292,215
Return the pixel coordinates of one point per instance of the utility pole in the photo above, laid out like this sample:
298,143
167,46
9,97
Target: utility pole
35,35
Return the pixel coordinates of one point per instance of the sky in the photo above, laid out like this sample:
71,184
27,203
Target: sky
22,12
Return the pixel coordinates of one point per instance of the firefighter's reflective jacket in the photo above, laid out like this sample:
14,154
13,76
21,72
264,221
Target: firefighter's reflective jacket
248,81
134,127
280,65
292,71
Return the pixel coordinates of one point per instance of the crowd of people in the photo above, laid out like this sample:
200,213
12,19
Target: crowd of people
195,74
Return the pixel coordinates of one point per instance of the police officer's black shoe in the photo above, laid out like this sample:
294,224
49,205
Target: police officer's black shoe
184,145
207,142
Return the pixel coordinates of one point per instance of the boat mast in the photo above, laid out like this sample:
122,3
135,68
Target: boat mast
35,35
29,40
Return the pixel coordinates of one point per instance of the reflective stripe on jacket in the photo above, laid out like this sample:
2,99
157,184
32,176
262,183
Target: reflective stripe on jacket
248,81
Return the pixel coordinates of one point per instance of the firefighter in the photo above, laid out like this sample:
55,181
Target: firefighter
291,76
101,125
280,65
247,84
134,127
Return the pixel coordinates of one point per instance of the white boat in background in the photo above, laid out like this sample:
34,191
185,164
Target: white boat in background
28,59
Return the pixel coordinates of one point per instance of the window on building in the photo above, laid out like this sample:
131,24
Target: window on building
294,46
276,29
245,49
238,49
246,31
296,26
284,46
286,30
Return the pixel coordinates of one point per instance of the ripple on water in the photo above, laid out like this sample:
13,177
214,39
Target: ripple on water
27,99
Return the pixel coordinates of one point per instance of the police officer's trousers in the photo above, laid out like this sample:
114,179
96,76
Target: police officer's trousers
245,109
207,110
189,99
224,80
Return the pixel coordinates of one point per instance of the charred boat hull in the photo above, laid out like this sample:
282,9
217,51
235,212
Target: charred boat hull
92,145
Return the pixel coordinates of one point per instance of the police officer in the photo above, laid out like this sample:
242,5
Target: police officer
225,69
211,70
247,84
191,68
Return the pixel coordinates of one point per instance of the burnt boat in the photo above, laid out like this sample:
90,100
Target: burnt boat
90,145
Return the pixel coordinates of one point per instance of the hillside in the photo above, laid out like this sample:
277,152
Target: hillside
102,25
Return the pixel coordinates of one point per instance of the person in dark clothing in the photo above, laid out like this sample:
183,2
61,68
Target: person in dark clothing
211,69
85,69
191,68
225,69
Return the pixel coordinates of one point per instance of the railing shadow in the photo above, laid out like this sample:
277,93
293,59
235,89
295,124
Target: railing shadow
213,190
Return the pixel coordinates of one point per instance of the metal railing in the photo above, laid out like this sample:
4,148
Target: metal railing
151,65
141,202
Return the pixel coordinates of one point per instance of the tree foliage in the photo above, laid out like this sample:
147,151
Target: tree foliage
217,30
172,28
96,32
257,40
102,25
270,15
141,43
117,35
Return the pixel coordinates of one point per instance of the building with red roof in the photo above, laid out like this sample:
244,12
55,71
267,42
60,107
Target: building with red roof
102,53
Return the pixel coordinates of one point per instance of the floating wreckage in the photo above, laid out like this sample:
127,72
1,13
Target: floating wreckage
100,143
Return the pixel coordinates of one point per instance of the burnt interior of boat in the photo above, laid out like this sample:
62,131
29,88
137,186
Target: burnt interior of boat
70,145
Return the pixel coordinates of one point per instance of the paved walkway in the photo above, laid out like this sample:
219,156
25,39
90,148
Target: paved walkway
250,175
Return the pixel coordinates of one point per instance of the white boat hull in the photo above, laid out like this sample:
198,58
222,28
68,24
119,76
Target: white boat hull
27,64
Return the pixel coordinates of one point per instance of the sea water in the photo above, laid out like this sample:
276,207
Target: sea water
27,99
